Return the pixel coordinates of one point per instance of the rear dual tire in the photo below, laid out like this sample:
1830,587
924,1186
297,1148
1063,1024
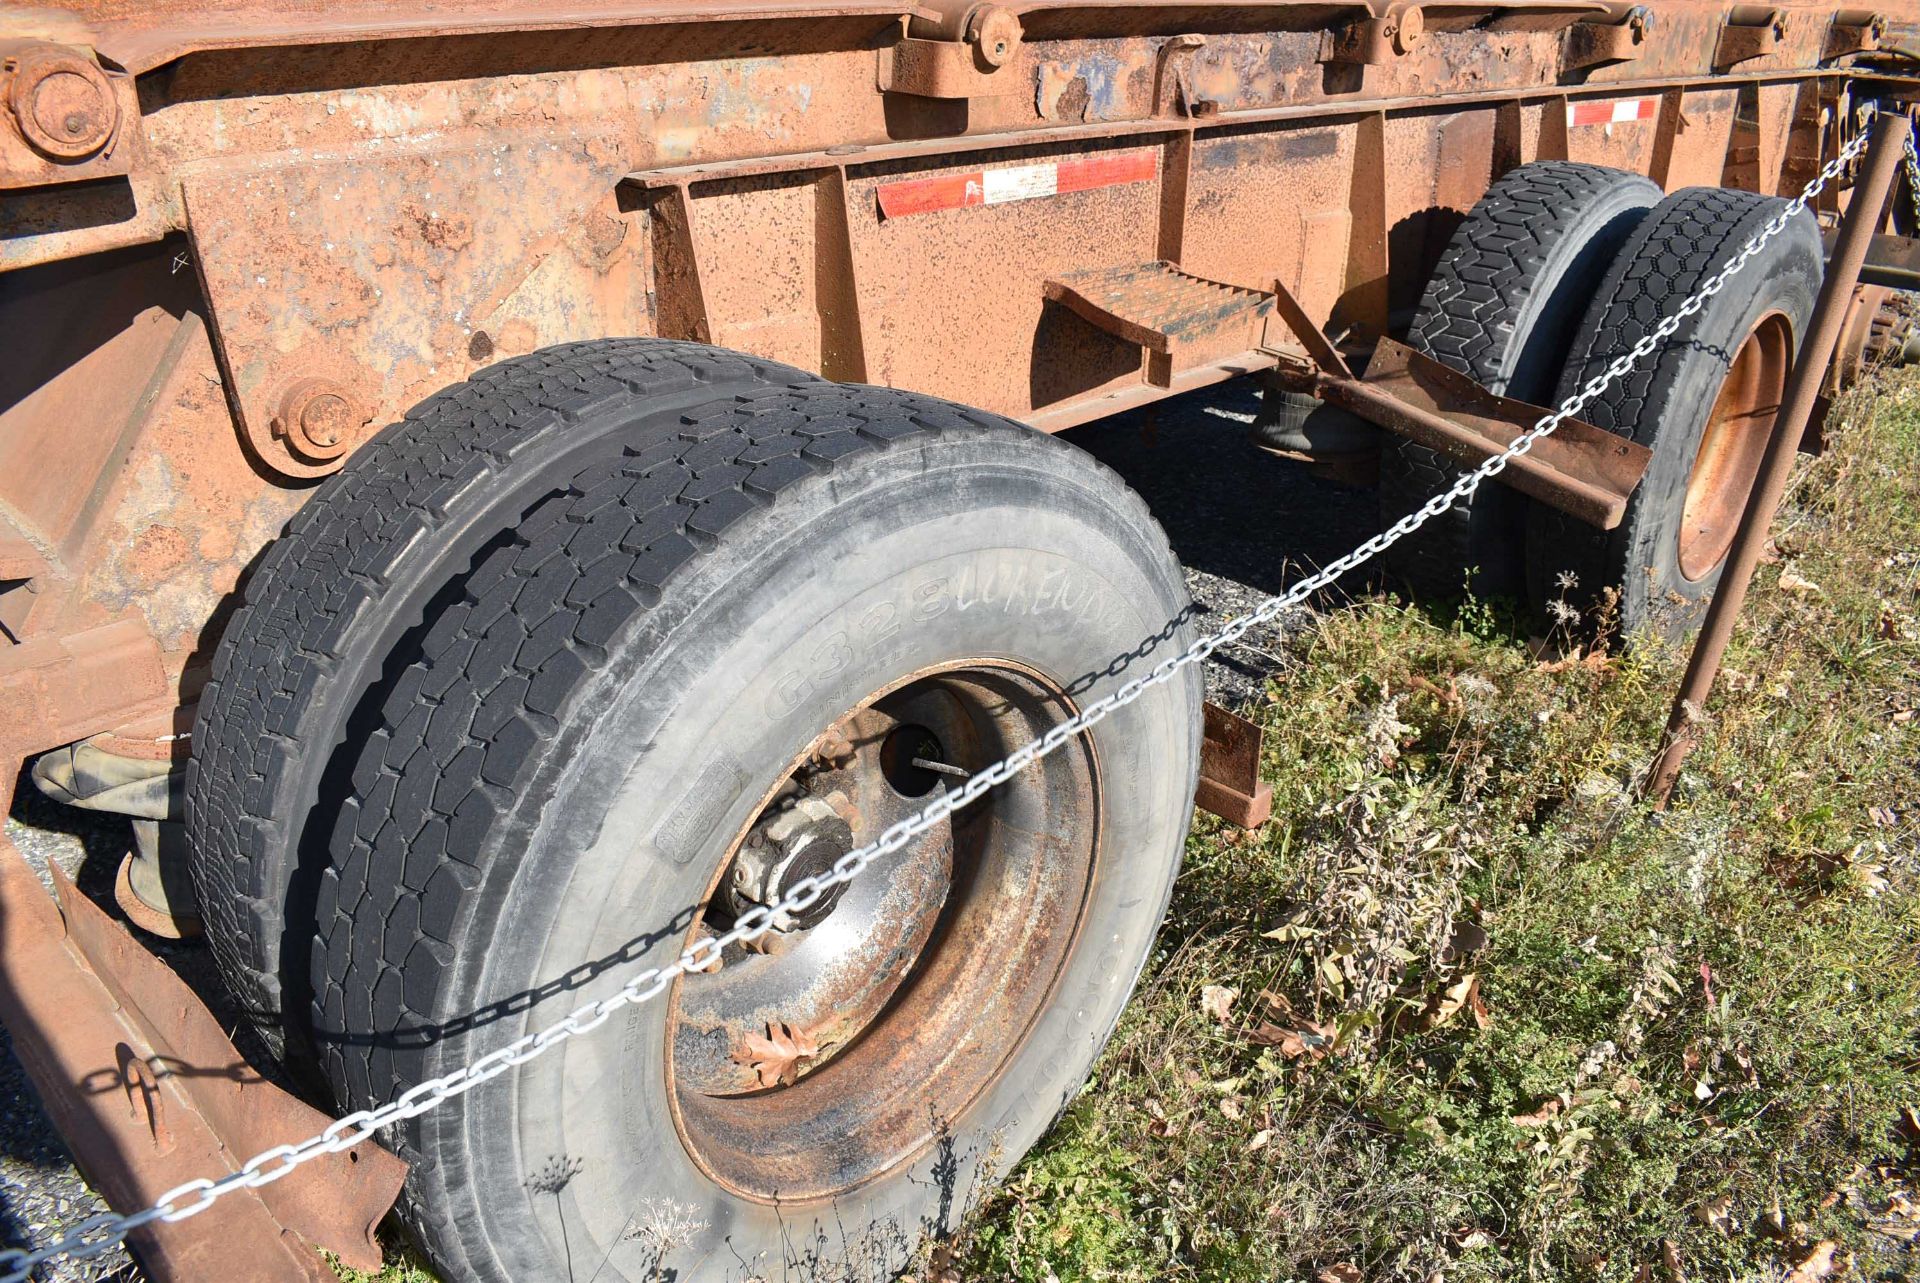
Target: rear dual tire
1501,307
565,756
1703,403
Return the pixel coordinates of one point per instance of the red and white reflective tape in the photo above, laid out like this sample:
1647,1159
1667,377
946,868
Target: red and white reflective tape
1618,111
1020,182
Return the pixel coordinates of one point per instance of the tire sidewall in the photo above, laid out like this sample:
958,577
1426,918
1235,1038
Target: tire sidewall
1647,551
983,555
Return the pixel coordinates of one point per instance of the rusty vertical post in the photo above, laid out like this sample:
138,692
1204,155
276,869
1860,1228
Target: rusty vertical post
1863,216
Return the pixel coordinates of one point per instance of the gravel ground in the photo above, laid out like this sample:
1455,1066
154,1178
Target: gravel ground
1244,524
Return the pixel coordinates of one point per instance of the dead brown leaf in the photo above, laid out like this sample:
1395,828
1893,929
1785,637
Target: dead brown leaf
1468,939
1341,1273
778,1057
1290,1032
1449,1002
1793,581
1540,1117
1717,1213
1825,1261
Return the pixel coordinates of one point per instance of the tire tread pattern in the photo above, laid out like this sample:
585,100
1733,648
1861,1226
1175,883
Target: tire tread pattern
1466,320
282,684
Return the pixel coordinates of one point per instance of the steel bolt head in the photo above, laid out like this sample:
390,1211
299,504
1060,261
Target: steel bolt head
318,419
63,103
995,33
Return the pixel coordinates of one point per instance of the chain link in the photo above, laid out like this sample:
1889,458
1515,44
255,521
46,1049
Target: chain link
100,1233
1913,179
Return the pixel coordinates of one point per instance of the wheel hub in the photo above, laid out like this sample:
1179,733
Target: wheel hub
803,841
821,1056
1733,445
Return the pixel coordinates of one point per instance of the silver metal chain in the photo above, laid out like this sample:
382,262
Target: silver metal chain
101,1232
1913,178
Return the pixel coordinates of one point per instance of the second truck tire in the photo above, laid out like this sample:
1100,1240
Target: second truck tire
1704,404
360,565
1501,307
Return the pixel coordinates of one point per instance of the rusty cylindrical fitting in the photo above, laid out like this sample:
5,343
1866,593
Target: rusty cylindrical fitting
61,100
995,33
318,419
1407,28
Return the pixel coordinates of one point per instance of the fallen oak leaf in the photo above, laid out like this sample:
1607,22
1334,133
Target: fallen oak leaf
1468,938
1546,1113
780,1056
1290,1032
1448,1003
1792,581
1717,1213
1482,1018
1313,1041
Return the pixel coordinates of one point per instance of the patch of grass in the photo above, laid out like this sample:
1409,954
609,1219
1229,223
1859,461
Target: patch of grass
1539,1032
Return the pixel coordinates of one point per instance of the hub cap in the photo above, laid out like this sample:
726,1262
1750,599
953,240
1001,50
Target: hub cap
844,1041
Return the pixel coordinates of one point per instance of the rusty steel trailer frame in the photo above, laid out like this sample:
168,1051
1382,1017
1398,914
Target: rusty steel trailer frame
238,235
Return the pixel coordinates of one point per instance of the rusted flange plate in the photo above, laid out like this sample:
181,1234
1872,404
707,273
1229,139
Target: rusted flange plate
149,1094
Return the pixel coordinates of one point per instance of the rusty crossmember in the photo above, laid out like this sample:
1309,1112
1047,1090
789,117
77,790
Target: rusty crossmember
134,1069
1582,470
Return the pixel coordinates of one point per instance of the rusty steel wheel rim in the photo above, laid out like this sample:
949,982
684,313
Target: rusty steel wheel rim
842,1047
1733,445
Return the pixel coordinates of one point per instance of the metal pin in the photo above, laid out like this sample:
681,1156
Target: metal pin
942,768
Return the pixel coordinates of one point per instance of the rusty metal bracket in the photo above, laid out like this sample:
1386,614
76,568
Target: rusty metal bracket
1173,95
1599,44
1580,469
1319,348
943,69
1855,31
1230,783
1743,41
1370,41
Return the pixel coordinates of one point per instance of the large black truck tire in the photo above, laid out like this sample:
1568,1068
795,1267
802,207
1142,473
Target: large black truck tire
358,568
781,623
1704,404
1502,306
